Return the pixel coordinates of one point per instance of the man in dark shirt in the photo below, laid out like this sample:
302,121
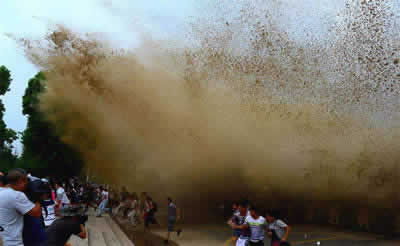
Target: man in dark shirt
61,230
239,219
173,216
150,213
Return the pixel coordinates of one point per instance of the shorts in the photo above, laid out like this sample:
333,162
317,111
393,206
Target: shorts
237,233
149,220
171,223
242,242
259,243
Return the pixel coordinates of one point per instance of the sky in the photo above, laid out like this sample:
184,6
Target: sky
118,21
114,19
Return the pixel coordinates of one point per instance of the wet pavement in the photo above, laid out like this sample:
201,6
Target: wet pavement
210,235
221,235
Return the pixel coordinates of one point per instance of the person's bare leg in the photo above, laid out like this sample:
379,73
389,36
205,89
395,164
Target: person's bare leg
234,240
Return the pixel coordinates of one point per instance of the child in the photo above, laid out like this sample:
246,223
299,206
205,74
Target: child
48,210
277,229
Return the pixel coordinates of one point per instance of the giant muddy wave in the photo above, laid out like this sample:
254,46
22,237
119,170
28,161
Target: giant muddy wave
236,106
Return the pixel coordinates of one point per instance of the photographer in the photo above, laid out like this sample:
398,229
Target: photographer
73,222
34,233
13,206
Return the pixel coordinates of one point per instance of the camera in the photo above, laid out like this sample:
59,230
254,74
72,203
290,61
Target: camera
36,188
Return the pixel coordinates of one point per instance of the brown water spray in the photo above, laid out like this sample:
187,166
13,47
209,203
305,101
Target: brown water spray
207,121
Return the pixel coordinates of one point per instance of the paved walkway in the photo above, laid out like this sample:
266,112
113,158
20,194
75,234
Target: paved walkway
105,232
140,237
220,235
102,232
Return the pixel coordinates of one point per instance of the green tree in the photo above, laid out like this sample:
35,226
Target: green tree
43,150
7,136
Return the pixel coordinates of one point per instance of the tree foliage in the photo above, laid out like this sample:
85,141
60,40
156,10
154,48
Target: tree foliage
7,136
44,152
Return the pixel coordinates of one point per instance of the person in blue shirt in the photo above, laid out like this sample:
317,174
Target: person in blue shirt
34,233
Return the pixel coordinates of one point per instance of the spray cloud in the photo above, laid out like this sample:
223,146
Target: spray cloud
236,107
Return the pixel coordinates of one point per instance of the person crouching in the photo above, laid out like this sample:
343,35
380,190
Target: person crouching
73,222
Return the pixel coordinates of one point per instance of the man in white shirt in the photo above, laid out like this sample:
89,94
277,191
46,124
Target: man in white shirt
257,225
134,209
61,197
104,201
13,206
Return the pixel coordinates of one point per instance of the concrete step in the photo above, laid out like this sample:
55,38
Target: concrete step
108,234
122,238
102,231
96,237
77,241
91,211
111,239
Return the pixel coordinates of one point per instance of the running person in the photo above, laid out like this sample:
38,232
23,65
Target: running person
143,205
239,219
236,232
134,208
103,201
277,229
150,216
173,215
257,225
61,197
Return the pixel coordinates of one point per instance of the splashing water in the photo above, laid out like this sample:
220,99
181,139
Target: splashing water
238,108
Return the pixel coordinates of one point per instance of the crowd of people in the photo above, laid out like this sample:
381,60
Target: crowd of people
142,209
39,212
46,212
250,227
